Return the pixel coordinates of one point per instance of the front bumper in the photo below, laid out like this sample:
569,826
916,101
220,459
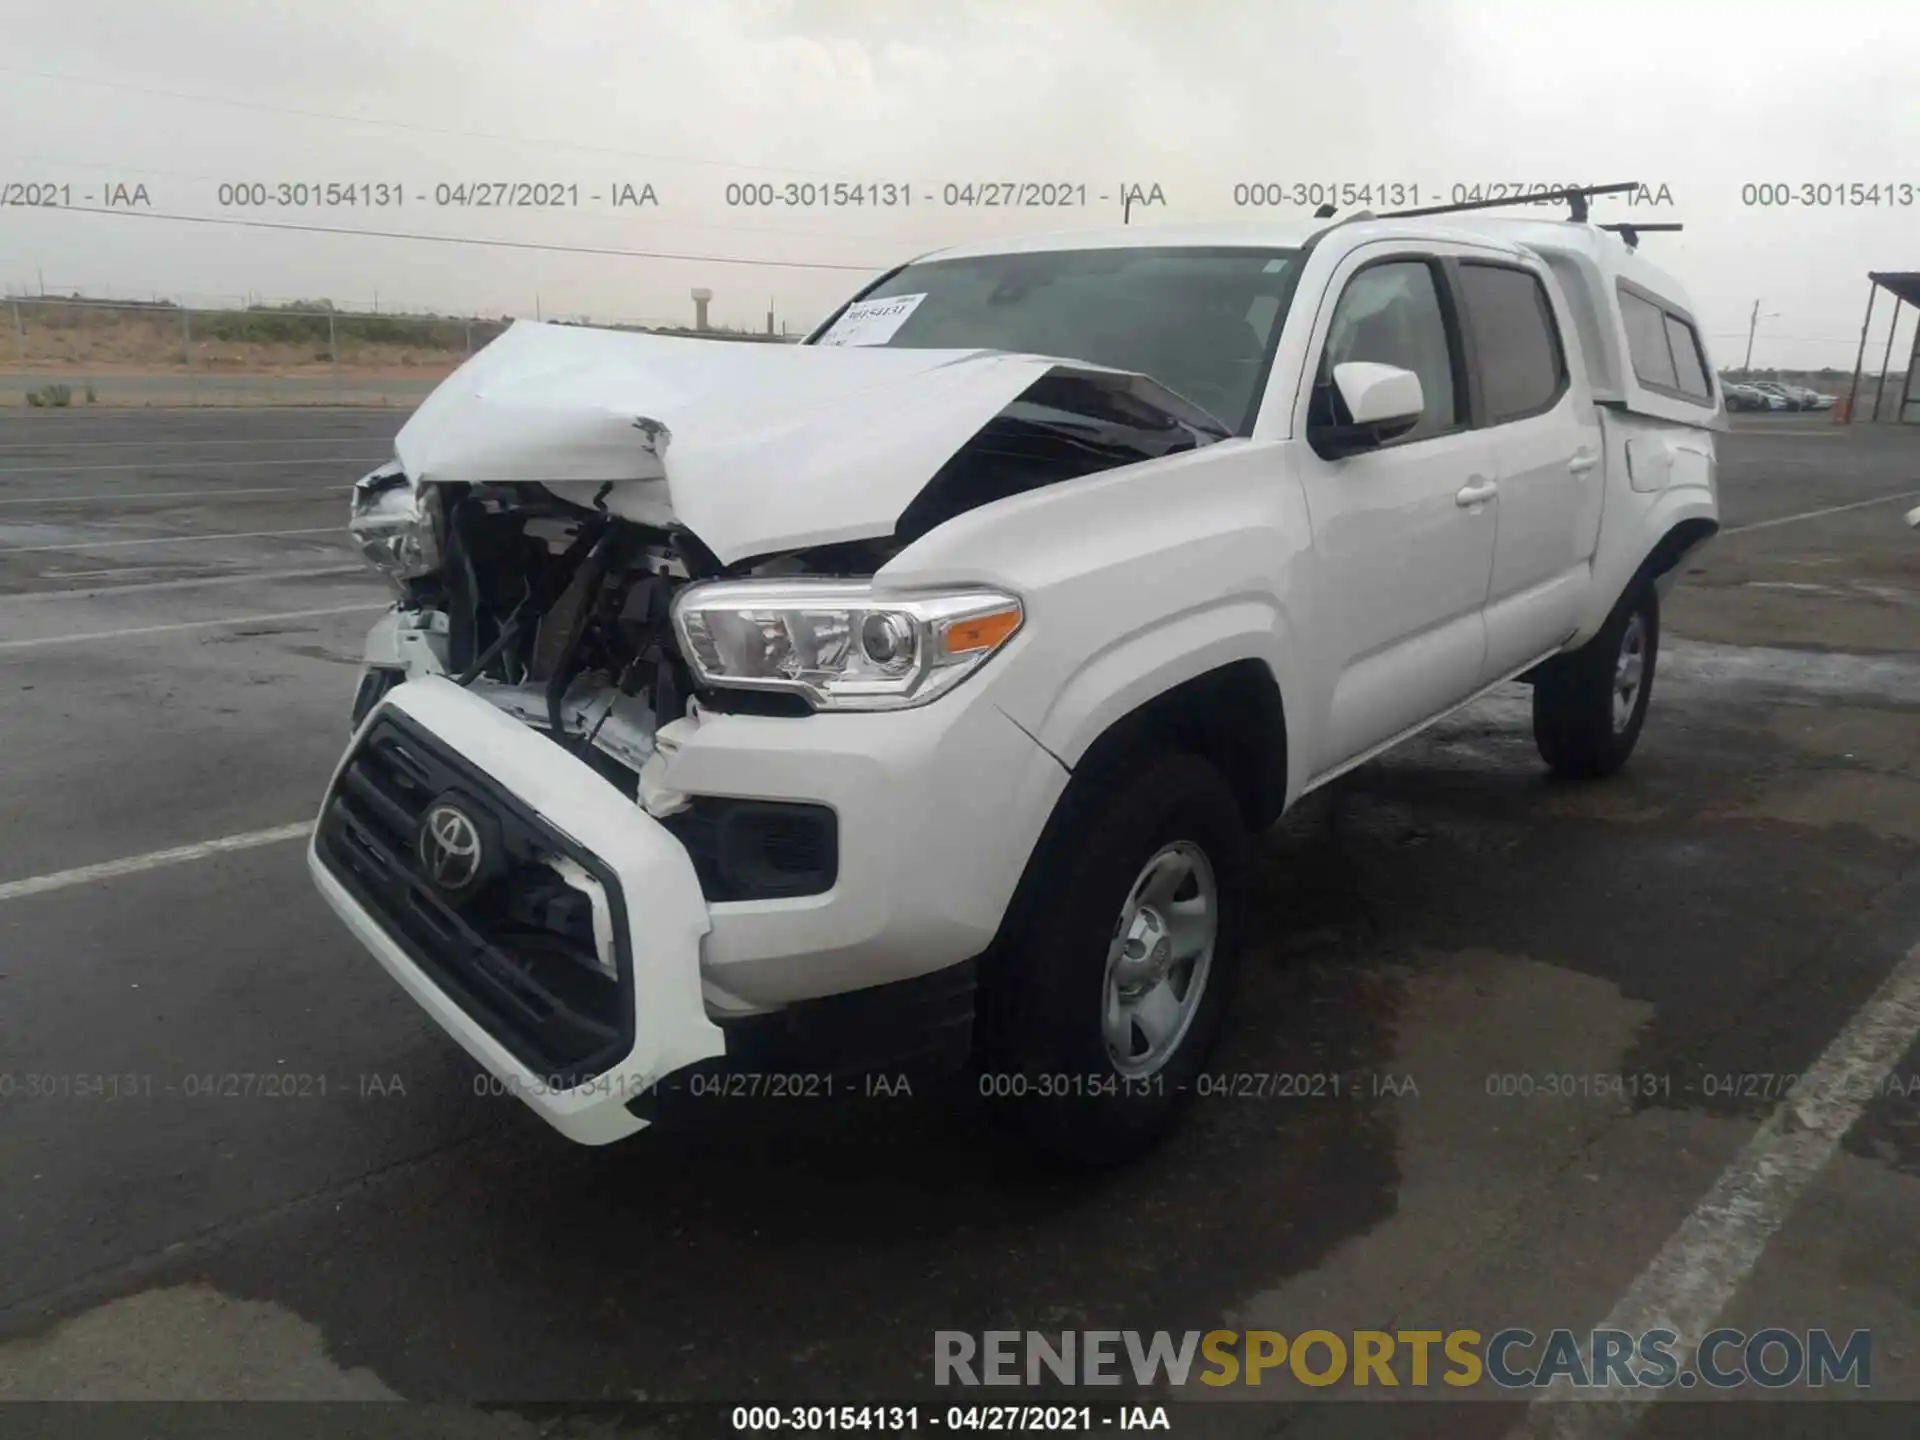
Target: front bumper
937,810
647,876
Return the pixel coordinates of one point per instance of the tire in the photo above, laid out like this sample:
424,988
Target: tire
1585,721
1056,987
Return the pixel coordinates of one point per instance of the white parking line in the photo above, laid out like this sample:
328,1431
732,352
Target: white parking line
330,492
153,860
173,540
1816,514
188,464
41,641
1706,1260
99,592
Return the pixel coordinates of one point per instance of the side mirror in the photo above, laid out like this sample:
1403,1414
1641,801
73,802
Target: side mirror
1368,405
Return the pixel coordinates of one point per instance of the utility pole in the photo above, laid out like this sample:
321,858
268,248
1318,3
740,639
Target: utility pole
1753,323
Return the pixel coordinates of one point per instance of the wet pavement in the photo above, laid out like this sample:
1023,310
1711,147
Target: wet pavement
1497,1037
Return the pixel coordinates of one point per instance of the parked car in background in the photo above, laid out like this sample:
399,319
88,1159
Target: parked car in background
1779,397
1743,397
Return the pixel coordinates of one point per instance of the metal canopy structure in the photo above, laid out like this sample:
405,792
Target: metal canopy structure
1904,286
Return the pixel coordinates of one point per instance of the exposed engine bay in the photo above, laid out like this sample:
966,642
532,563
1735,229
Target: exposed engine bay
556,607
561,615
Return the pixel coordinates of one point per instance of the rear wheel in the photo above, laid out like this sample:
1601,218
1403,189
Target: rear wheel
1589,706
1111,985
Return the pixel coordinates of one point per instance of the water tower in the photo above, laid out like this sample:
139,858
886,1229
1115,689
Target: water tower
700,298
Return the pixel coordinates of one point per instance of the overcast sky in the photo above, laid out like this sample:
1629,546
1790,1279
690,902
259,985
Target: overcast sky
182,96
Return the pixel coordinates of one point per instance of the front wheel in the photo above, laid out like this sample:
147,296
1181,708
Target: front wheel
1588,706
1111,985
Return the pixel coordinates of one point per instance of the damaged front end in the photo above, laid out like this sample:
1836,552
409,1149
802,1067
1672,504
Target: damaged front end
555,597
600,544
562,616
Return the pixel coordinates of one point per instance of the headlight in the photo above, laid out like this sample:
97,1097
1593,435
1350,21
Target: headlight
399,526
837,642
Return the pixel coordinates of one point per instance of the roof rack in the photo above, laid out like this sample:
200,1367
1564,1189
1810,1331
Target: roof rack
1631,233
1576,198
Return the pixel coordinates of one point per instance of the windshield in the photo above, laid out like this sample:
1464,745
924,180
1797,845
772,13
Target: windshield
1201,321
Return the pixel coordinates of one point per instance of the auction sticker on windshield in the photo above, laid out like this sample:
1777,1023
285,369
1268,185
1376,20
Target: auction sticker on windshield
871,322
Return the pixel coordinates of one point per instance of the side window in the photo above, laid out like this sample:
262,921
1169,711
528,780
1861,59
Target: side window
1691,368
1515,340
1390,314
1647,342
1665,349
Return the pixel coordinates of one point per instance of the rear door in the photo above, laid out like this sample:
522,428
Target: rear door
1531,398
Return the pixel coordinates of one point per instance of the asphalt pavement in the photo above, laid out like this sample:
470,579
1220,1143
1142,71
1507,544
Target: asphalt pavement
236,1162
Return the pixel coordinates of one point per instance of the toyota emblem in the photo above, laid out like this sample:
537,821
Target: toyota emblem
450,850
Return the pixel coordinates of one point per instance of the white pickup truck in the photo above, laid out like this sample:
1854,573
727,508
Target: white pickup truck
764,716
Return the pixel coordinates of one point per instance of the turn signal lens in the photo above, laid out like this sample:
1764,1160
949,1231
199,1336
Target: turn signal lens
981,632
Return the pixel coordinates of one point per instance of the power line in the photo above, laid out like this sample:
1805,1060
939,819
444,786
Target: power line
594,216
464,240
411,125
575,214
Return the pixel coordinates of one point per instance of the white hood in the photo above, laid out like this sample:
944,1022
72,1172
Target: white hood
753,447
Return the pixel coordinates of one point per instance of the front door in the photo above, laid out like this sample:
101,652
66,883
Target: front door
1403,534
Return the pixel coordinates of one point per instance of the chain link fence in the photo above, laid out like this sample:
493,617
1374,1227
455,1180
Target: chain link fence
64,353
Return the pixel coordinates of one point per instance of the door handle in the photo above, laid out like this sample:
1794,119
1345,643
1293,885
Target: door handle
1582,462
1477,492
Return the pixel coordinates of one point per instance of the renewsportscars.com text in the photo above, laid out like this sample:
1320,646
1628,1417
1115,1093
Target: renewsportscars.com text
1508,1359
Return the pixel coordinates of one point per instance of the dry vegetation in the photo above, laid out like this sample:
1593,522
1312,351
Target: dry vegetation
65,334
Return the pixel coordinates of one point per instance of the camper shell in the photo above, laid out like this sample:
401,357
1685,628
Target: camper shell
1602,274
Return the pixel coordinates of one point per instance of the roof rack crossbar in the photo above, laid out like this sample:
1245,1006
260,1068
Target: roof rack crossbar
1575,197
1632,233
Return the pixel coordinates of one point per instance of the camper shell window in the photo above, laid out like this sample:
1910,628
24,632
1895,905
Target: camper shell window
1663,346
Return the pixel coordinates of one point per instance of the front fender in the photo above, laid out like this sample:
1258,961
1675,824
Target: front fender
1136,668
1135,581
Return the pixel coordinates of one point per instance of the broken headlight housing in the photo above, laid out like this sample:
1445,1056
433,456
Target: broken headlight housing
838,643
400,527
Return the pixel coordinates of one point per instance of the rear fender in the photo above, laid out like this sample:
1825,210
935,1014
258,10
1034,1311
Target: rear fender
1662,532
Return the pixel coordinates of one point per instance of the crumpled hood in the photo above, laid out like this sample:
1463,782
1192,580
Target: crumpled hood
754,447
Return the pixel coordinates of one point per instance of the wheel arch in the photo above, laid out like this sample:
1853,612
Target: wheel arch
1233,716
1681,540
1680,522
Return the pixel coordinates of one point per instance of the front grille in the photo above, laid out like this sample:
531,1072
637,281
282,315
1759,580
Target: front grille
515,947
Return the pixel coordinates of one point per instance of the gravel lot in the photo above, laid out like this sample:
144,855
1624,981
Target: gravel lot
180,618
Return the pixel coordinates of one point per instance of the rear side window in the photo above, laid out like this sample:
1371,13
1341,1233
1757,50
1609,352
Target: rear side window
1522,366
1665,349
